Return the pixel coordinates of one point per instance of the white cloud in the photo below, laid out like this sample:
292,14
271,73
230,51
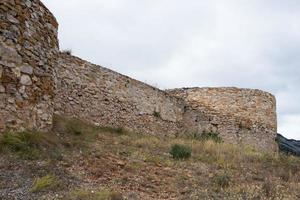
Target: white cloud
290,126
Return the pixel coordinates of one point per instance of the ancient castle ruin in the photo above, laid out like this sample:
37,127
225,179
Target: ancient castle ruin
38,81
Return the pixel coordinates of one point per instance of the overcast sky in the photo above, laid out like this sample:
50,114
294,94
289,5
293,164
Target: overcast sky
176,43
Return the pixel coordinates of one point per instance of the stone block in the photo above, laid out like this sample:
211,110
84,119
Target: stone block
26,69
2,89
25,80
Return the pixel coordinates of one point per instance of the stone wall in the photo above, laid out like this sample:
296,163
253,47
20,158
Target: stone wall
239,115
107,98
28,47
37,81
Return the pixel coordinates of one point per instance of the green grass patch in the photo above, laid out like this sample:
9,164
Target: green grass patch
74,133
48,182
29,144
113,130
222,179
156,114
67,134
204,136
179,151
210,136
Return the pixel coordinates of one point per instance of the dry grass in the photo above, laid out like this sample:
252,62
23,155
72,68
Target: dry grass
83,194
125,161
30,144
47,182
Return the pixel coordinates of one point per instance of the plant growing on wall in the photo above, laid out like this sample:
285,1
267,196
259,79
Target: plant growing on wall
214,136
156,114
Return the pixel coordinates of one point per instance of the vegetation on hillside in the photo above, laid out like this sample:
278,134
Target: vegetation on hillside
79,161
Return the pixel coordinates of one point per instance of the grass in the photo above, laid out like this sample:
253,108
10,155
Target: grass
47,182
156,114
67,51
180,152
222,179
214,136
114,130
67,134
74,133
126,161
147,142
83,194
28,144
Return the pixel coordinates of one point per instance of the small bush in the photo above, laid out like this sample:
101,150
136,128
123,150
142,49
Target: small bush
116,130
147,142
120,130
269,188
222,179
45,183
179,151
56,154
75,127
210,136
83,194
67,51
156,114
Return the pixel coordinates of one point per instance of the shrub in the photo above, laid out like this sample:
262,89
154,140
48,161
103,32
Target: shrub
156,114
210,136
75,127
120,130
44,183
222,179
179,151
67,51
114,130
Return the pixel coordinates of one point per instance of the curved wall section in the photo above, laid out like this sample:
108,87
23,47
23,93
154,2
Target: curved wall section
245,116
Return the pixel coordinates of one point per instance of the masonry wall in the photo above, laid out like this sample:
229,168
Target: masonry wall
239,115
28,46
107,98
37,81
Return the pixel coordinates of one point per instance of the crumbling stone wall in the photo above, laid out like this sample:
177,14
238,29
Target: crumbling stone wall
239,115
28,47
107,98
